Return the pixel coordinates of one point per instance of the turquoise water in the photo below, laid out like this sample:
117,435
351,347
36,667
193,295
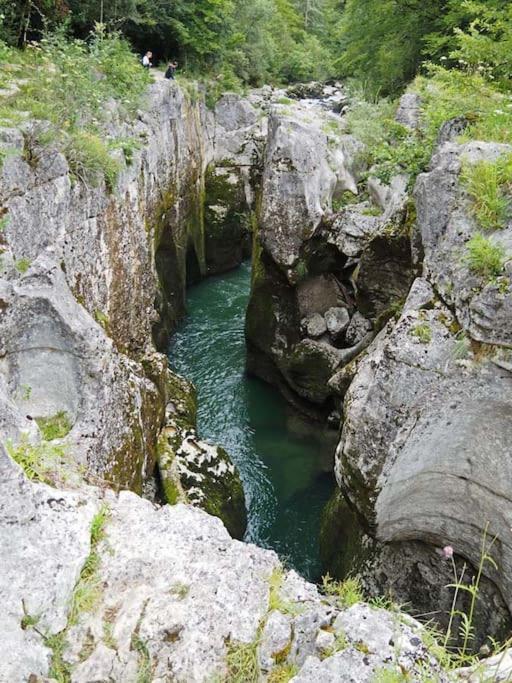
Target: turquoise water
285,462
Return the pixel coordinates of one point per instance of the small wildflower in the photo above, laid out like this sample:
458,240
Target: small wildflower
447,552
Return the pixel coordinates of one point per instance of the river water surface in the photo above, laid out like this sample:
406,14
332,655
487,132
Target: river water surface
285,462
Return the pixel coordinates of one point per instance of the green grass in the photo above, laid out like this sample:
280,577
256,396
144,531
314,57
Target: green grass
487,184
88,588
22,265
347,592
70,84
275,600
423,332
390,675
60,670
90,161
484,257
283,673
39,462
145,670
56,427
242,663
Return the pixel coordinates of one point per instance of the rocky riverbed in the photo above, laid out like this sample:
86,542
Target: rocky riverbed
101,584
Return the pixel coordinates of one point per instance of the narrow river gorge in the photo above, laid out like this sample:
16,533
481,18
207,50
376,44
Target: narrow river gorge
285,461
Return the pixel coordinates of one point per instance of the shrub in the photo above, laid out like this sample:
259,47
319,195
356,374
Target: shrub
90,161
484,257
486,184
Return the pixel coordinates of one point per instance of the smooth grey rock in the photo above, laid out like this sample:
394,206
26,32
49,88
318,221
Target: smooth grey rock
316,326
337,321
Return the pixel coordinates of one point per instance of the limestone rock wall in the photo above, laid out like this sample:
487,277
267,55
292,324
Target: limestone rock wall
91,278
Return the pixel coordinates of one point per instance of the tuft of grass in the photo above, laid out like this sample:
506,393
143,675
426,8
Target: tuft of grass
56,427
22,265
283,673
60,670
90,161
145,670
284,100
275,600
88,588
484,257
242,663
180,590
37,461
423,332
98,525
487,184
390,675
347,593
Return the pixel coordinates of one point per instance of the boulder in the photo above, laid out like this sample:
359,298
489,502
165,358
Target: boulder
337,321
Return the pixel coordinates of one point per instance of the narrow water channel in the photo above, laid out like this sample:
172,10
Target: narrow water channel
285,462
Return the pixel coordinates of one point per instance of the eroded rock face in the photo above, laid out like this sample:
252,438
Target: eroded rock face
174,596
445,224
315,268
87,275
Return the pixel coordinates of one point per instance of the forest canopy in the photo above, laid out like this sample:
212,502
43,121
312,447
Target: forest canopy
381,43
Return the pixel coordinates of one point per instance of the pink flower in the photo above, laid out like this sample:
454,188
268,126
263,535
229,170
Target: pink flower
447,552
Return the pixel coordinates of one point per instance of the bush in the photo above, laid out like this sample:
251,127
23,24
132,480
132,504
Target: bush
73,85
484,257
90,161
486,184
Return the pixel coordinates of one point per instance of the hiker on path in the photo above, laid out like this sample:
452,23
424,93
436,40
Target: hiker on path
171,70
146,60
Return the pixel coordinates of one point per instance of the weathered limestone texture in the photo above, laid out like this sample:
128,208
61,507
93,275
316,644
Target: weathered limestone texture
87,275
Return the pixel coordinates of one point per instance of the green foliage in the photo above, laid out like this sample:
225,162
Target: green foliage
487,184
88,588
275,600
89,160
347,592
390,674
484,257
98,525
60,670
29,621
145,670
242,663
423,332
283,673
384,42
56,427
37,461
22,265
74,86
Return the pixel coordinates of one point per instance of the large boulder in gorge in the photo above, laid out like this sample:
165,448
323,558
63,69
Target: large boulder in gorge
298,183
